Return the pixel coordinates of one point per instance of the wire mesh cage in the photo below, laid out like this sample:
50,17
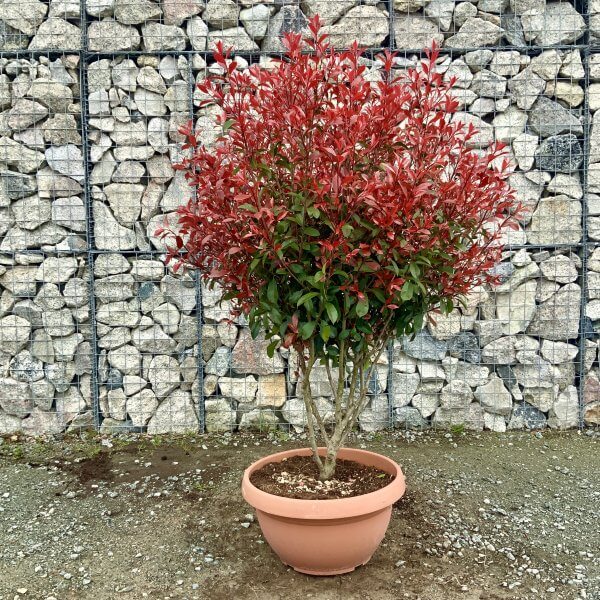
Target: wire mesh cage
95,330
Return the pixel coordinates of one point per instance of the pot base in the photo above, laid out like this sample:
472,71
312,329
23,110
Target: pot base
326,537
331,573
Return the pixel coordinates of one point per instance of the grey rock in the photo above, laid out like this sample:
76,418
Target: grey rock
465,346
541,398
550,118
114,287
175,12
163,37
242,389
164,375
125,201
440,12
136,12
65,347
69,404
56,34
488,84
376,416
118,314
24,159
141,407
517,308
500,351
510,124
82,421
153,340
456,395
56,96
24,113
473,375
557,318
412,32
565,410
31,212
535,24
475,32
69,213
560,269
16,185
58,322
220,362
250,356
42,347
60,375
57,270
8,423
175,414
221,14
126,359
150,104
494,397
67,160
114,379
404,387
556,220
289,19
110,35
558,352
15,397
235,37
25,18
256,18
108,233
41,422
365,24
180,292
409,417
559,153
14,334
424,347
110,264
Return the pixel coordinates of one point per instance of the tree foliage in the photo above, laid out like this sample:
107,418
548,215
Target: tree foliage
337,208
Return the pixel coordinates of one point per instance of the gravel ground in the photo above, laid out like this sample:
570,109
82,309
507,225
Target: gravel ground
485,517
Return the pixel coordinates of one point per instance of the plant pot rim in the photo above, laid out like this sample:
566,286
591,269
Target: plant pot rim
335,508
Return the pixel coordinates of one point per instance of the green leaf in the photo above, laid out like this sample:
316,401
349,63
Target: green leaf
325,332
414,270
272,294
347,230
362,307
248,207
255,329
313,212
311,231
332,312
306,297
307,329
407,291
271,348
227,124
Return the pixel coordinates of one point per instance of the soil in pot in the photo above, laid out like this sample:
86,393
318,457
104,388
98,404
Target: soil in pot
298,477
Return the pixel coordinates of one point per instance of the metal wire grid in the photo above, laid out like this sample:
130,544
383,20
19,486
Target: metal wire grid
399,372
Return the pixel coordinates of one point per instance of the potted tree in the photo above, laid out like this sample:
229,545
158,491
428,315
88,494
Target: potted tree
337,209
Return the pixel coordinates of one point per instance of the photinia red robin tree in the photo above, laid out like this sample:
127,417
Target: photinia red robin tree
337,210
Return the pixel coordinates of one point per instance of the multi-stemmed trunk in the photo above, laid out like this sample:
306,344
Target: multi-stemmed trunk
350,394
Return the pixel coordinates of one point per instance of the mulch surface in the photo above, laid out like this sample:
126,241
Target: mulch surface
298,477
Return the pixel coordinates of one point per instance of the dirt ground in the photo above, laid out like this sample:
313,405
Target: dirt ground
491,517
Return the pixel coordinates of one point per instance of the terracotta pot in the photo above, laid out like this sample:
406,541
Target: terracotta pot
325,537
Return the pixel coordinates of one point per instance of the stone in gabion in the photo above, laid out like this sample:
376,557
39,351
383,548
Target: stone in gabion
560,153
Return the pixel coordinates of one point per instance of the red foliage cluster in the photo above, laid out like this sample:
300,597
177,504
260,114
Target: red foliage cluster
375,170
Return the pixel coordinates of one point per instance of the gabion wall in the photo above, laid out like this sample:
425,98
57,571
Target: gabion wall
96,332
